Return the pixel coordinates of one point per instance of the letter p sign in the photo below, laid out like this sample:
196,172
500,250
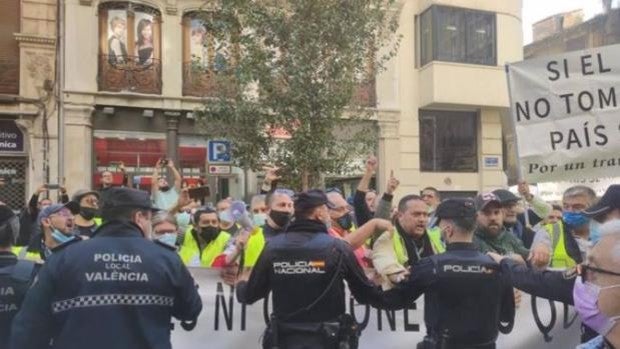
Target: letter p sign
219,152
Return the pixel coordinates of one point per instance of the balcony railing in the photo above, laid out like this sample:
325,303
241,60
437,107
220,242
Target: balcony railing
9,76
129,75
199,82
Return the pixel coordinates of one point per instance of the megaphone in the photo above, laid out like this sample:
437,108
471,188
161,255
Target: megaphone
238,214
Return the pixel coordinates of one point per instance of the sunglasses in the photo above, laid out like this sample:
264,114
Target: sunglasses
586,272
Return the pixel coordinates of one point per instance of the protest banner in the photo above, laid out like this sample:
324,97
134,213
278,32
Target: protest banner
564,111
225,323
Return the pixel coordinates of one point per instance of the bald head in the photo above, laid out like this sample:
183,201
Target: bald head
337,199
605,255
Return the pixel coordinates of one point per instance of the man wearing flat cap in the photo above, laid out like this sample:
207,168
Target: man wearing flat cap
115,290
467,298
304,268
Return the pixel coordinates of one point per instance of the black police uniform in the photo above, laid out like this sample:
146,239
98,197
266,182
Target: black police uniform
304,268
549,284
15,278
466,297
116,290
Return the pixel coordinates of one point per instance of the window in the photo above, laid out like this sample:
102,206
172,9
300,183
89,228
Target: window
9,49
457,35
130,51
206,60
448,141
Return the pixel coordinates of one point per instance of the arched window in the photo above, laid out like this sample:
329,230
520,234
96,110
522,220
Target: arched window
208,58
129,47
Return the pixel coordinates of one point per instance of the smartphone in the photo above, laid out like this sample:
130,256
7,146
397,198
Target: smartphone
163,162
199,192
52,186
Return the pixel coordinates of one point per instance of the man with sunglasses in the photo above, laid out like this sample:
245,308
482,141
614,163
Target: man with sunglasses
559,285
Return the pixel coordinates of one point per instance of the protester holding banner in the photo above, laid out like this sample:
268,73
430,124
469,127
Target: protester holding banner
304,270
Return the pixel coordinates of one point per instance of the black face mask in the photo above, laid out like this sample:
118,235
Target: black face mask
280,218
164,189
88,213
345,222
208,233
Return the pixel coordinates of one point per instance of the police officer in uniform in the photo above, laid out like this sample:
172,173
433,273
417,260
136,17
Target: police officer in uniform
304,268
467,298
15,275
116,290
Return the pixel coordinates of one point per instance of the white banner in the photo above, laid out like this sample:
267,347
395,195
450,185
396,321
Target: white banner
564,110
224,323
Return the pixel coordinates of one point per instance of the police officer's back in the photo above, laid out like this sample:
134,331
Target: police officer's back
304,268
466,295
15,276
116,290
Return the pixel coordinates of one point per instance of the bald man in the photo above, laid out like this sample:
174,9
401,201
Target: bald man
597,289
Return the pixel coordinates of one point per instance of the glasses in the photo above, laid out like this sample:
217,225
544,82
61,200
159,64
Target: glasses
586,272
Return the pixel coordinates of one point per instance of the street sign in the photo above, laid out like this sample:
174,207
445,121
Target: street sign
219,152
219,169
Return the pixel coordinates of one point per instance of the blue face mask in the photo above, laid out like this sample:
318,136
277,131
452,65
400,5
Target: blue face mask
595,231
169,239
226,216
259,219
59,237
575,219
183,220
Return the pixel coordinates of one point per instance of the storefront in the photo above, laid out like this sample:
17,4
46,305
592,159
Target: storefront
13,164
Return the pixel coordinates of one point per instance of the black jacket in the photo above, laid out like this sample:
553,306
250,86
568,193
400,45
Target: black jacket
116,290
15,279
466,295
297,266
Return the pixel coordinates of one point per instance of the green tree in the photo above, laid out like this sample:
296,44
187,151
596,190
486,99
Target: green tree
298,67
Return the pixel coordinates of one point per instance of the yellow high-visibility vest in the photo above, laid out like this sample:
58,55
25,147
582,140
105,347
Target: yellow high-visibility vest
560,258
434,236
190,251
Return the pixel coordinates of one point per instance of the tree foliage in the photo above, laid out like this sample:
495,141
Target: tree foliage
295,67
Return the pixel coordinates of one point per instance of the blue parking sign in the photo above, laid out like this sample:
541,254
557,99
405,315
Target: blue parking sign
219,152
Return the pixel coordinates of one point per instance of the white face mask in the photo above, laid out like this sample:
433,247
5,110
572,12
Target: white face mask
169,239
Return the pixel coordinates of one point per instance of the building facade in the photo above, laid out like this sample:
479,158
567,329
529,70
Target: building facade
441,100
28,109
130,86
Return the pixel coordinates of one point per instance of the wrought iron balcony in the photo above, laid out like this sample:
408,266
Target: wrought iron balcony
129,74
199,82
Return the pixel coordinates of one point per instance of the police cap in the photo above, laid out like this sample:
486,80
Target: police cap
610,201
311,199
127,198
455,208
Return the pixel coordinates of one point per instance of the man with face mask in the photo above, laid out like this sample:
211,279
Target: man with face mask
467,297
116,290
165,229
491,234
258,210
567,240
597,289
57,226
304,270
227,222
205,240
558,285
85,221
